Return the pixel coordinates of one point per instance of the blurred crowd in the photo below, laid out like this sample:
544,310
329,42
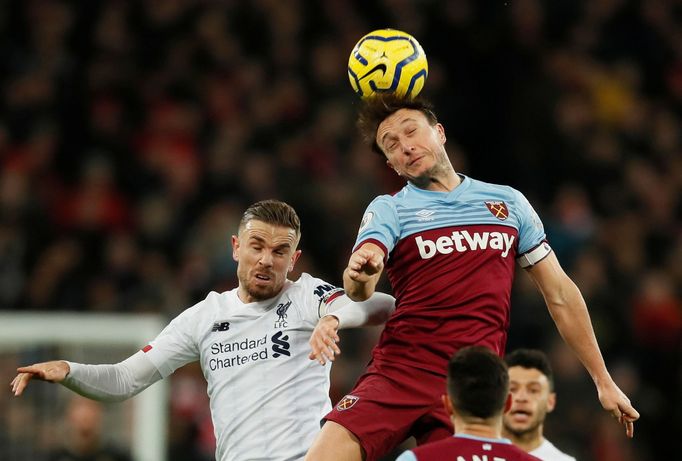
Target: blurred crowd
134,133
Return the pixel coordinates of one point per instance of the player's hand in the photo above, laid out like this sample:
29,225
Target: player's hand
363,264
618,404
324,339
54,372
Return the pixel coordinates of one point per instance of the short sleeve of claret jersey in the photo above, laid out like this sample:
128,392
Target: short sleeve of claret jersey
317,295
379,225
176,345
531,230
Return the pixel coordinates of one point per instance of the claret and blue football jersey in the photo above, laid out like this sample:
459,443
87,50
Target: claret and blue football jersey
450,258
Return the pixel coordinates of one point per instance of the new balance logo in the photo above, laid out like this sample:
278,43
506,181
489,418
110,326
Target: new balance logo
220,326
425,215
461,241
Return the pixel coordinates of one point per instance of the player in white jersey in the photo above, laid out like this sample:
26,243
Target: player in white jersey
532,388
254,345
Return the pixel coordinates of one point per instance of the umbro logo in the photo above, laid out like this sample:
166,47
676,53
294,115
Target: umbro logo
425,215
220,326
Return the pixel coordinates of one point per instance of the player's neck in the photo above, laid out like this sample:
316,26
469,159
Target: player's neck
487,428
527,441
442,181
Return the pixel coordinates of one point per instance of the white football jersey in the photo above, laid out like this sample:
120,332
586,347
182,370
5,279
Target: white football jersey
267,398
548,452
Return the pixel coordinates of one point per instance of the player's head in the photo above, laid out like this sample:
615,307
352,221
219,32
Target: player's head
84,418
407,133
478,384
265,249
532,389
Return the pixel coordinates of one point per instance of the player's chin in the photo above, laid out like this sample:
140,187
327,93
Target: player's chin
262,291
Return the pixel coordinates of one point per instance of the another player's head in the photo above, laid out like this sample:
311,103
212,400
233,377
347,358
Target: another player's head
407,133
532,389
265,249
478,387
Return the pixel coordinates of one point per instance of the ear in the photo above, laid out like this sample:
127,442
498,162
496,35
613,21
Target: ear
390,165
508,403
551,402
447,404
235,248
294,258
441,133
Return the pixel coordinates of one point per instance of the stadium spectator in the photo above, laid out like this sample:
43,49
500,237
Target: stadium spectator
266,397
531,383
449,243
477,396
85,436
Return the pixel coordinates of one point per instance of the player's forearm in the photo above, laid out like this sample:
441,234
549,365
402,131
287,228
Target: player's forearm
572,319
356,290
112,383
373,311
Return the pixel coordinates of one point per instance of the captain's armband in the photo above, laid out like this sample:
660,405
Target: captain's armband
534,256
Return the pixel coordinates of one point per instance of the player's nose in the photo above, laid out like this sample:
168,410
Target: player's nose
266,259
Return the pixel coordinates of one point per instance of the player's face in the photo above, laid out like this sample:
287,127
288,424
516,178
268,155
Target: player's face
531,401
265,254
413,148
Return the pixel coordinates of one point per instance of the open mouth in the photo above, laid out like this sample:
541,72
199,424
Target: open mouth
520,415
263,277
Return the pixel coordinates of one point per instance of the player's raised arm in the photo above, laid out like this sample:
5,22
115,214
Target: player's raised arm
569,312
364,269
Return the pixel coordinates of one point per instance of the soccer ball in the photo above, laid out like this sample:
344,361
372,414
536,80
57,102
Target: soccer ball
387,61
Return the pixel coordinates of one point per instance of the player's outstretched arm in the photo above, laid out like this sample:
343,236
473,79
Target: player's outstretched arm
106,383
363,271
569,312
54,372
345,313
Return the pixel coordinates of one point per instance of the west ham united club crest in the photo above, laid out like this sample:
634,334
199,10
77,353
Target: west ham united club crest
498,209
347,402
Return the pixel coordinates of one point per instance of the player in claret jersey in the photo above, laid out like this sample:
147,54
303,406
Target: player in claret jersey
477,396
449,244
267,397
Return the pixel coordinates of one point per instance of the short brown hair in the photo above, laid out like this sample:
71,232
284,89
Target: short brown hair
272,212
376,109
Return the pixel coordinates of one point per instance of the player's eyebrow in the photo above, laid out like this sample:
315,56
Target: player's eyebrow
261,240
402,122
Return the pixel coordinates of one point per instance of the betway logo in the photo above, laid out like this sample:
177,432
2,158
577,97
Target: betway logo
461,241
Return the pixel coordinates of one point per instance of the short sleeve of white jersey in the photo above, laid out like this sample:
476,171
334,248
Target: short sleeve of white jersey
379,223
531,230
317,296
176,345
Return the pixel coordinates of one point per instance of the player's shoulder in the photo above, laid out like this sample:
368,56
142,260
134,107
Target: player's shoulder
388,201
550,451
494,191
213,301
308,284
